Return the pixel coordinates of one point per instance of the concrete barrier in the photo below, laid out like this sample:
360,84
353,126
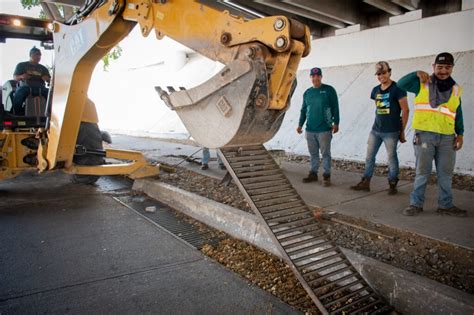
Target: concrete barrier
407,292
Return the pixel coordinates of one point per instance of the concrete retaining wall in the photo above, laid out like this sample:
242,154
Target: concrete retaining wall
127,102
407,292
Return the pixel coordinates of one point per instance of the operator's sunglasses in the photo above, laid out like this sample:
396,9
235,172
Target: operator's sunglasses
381,73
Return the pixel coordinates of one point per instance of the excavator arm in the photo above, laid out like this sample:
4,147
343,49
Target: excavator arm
246,101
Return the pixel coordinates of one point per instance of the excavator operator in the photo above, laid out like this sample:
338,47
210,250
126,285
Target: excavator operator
32,77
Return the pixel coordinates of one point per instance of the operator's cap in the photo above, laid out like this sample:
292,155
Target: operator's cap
444,58
34,51
381,67
316,71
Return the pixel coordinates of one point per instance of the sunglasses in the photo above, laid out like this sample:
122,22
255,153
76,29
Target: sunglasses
381,73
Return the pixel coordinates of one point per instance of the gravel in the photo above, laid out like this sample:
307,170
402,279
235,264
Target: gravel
262,269
436,260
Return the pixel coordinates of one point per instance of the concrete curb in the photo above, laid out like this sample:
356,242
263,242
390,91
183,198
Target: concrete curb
407,292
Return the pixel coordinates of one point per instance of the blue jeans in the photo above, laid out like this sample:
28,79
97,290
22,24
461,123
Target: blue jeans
206,155
320,141
22,93
390,139
440,148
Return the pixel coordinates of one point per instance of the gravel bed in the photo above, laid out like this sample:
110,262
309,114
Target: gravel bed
262,269
439,261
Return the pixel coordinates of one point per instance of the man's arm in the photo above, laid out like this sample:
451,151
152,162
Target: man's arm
459,128
45,74
302,116
410,82
405,114
334,110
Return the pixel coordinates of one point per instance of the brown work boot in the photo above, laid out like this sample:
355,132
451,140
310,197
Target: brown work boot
454,211
392,190
312,177
326,180
412,210
363,185
204,166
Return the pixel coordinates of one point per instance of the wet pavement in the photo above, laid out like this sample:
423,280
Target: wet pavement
70,248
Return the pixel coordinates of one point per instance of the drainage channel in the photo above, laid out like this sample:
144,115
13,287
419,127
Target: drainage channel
325,273
170,221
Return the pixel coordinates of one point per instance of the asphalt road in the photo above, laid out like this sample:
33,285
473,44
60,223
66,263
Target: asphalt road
69,248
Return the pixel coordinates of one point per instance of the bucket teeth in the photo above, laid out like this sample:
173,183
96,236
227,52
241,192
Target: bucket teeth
165,97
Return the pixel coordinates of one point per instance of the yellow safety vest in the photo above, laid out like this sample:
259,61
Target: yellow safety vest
440,119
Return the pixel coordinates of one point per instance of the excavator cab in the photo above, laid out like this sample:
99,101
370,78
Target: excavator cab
17,27
34,115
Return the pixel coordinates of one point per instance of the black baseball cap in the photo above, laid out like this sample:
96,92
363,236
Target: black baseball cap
444,58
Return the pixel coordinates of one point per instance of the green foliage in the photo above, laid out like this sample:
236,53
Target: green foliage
113,55
28,4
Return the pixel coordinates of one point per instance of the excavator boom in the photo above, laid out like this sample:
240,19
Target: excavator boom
246,101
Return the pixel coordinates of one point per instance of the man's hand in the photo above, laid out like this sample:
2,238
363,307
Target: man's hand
424,77
299,130
402,137
335,128
458,141
25,76
46,78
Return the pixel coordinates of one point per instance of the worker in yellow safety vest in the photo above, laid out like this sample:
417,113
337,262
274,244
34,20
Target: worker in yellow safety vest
438,132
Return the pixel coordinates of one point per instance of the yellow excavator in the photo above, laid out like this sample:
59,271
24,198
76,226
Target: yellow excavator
246,101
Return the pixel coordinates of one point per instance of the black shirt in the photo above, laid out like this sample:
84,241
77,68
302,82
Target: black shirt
388,110
36,71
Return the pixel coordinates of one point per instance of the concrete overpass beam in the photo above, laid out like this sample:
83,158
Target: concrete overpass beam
385,5
302,12
343,10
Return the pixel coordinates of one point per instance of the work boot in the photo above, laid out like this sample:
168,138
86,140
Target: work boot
412,210
326,180
363,185
392,190
222,166
454,211
312,177
204,166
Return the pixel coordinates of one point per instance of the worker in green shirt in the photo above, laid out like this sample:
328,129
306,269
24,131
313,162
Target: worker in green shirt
439,129
320,111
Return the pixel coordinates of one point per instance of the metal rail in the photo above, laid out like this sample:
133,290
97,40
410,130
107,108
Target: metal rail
322,269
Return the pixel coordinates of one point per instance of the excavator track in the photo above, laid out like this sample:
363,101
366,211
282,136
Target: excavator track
322,269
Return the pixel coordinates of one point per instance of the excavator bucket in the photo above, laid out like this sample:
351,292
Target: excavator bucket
229,109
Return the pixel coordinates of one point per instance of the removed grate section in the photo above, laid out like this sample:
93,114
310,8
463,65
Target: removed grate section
169,220
323,270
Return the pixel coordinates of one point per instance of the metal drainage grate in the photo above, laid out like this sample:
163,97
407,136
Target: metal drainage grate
325,273
168,220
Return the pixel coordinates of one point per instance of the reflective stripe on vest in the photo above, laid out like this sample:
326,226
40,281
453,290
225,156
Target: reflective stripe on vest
441,109
440,119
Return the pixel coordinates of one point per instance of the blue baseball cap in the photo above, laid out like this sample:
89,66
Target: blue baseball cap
316,71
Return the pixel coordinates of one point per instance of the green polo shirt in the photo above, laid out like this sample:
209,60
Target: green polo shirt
320,109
